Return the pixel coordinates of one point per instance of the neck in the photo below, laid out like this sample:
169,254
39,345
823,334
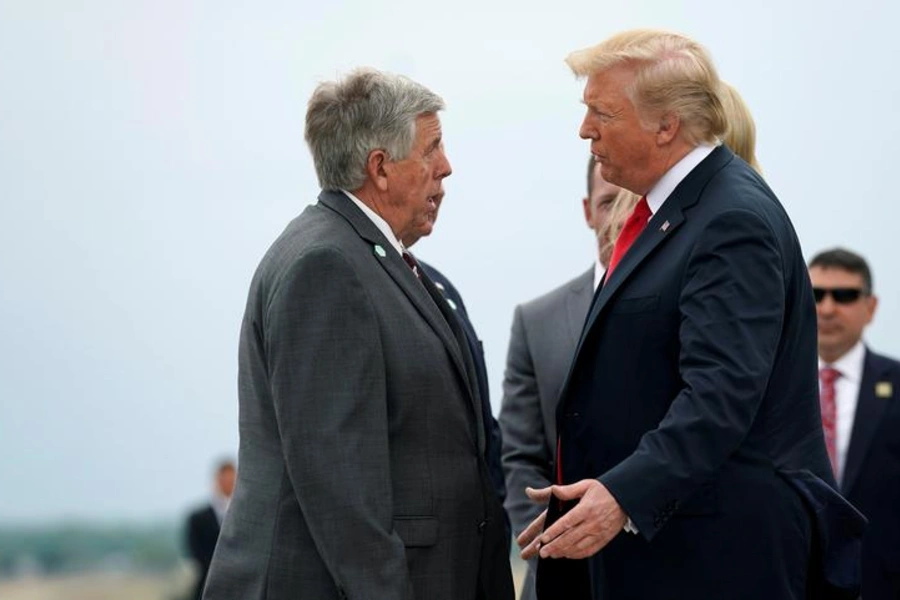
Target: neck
832,355
669,156
375,200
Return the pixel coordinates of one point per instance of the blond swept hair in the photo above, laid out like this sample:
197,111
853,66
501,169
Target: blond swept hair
741,133
673,74
619,210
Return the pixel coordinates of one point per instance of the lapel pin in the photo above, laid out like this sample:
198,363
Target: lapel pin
451,303
665,226
884,389
380,251
439,286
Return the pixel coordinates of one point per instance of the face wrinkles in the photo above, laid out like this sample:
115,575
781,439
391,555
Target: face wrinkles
619,141
415,183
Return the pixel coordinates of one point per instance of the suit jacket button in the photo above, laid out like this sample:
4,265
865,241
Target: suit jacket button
482,526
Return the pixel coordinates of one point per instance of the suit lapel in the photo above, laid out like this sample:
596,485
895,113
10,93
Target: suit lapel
661,226
869,410
578,302
462,342
402,275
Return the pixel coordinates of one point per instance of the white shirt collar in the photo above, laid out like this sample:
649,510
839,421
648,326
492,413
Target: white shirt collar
219,504
379,222
850,365
667,184
599,272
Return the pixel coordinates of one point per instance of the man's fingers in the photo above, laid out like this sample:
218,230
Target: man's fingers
532,531
562,544
531,550
570,520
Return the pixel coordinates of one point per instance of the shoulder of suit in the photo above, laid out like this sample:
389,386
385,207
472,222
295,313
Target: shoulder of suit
202,512
551,300
883,363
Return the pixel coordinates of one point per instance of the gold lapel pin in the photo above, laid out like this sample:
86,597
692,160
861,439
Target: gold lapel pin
884,389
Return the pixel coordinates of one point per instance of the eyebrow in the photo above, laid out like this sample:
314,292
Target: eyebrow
434,144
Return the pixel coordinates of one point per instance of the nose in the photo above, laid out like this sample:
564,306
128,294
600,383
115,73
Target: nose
825,306
444,170
587,131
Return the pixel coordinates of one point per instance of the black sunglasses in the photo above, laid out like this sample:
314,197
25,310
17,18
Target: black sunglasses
840,295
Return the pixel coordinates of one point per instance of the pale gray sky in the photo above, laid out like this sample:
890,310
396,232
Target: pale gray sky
151,150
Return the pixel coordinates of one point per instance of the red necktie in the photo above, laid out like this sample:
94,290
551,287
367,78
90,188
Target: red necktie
633,227
828,405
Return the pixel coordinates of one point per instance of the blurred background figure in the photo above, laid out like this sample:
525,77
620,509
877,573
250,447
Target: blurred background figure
544,333
203,524
741,133
860,412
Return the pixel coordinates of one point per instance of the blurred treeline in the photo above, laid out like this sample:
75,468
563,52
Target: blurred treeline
78,547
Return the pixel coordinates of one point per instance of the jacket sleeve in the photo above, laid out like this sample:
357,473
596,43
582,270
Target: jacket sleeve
526,461
327,373
732,307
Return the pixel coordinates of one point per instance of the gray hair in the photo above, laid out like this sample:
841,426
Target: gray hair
366,110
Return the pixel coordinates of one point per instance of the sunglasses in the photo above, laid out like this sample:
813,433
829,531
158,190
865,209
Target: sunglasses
839,295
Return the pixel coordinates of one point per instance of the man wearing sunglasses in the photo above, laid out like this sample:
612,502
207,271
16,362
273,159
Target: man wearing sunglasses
860,412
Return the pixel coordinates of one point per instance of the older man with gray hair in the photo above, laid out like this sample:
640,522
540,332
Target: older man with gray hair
690,460
361,440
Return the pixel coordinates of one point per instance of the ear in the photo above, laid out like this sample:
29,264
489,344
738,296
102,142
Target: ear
871,306
586,204
377,168
669,126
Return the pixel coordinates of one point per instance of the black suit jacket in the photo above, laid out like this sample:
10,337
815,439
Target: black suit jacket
202,534
871,478
693,397
493,440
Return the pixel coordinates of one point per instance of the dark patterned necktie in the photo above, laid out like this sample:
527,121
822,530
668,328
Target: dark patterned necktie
408,259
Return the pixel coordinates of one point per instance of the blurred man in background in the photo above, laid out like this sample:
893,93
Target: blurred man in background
203,524
542,342
860,412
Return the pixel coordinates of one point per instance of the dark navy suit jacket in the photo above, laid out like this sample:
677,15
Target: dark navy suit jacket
871,478
693,397
491,427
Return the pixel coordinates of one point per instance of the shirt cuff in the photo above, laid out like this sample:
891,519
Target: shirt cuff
630,528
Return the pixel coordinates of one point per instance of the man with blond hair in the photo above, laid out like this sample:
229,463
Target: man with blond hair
361,439
690,456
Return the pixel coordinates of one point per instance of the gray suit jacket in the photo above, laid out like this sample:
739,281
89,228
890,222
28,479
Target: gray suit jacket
361,443
544,334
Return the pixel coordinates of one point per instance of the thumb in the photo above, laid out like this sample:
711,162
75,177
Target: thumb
541,495
572,491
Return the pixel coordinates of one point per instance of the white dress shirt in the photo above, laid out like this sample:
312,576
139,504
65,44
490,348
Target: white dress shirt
380,223
599,272
846,397
219,505
660,192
